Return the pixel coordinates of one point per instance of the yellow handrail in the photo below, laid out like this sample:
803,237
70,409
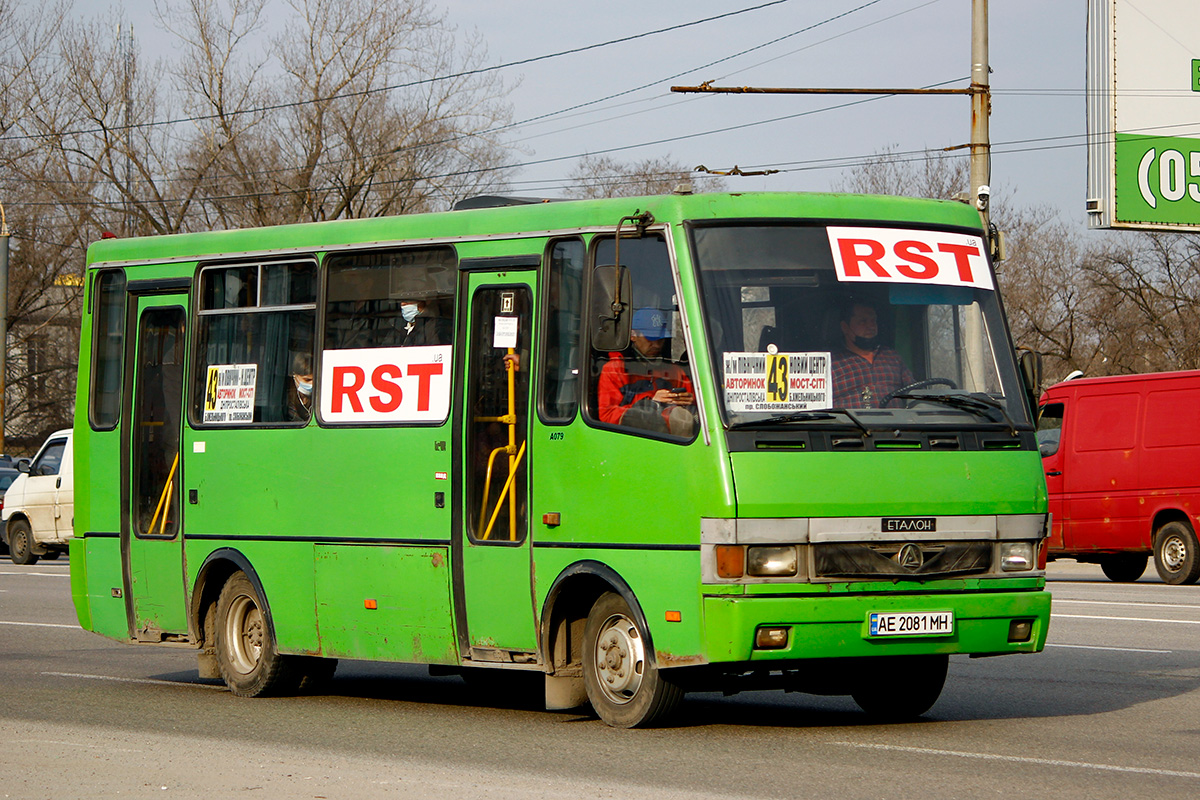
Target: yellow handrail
507,493
163,499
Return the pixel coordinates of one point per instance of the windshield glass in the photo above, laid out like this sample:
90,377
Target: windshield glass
855,325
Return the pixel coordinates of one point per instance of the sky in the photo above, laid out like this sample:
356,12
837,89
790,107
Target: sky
1036,54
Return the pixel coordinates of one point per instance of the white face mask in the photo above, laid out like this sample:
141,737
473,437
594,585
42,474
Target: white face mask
303,388
409,311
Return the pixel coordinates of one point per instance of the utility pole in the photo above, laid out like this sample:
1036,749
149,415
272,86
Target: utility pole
981,105
4,237
981,109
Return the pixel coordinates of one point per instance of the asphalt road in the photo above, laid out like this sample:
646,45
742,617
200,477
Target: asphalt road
1110,709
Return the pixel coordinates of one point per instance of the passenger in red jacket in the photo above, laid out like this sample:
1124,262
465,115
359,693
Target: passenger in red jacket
640,388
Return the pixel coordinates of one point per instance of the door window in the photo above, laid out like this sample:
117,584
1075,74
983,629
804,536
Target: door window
497,414
158,402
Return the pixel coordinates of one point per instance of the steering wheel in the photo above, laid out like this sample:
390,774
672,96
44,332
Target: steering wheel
918,385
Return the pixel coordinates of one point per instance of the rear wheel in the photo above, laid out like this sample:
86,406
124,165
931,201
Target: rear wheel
52,555
20,542
624,686
247,657
1175,555
1123,567
900,688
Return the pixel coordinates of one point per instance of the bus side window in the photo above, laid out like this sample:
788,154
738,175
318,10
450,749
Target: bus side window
647,387
108,348
401,297
564,297
256,325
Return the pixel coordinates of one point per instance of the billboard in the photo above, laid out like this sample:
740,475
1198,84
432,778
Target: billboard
1143,114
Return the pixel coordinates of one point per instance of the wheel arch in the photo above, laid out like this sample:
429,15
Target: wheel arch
565,611
217,568
1164,515
16,515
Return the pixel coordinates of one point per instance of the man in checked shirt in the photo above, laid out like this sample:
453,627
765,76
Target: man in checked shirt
864,371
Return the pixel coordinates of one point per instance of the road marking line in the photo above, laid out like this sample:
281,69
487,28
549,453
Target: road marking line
1097,647
1047,762
135,680
1129,619
1121,603
41,624
39,574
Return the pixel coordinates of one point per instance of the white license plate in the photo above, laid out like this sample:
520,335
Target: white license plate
913,623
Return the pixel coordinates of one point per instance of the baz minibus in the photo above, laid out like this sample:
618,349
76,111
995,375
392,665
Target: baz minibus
637,447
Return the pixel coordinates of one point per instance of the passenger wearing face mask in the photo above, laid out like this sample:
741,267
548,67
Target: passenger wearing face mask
864,371
424,323
300,391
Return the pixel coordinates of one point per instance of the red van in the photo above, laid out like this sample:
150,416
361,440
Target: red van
1122,459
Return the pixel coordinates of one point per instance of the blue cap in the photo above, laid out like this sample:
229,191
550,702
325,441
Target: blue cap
650,323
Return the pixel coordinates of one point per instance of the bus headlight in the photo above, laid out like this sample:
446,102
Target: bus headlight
771,562
1016,556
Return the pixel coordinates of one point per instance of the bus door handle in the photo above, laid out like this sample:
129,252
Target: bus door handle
1054,473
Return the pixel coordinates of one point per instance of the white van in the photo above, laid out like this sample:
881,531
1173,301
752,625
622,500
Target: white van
39,507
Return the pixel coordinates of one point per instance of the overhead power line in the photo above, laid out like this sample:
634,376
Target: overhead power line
410,84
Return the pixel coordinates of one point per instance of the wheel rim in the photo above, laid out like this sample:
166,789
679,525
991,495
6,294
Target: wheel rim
244,633
620,659
19,542
1174,553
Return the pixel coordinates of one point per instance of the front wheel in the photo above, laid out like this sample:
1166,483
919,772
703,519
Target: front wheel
1175,555
624,686
900,688
247,657
20,543
1123,567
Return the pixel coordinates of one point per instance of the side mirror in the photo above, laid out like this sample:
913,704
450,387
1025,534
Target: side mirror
1030,362
610,295
23,465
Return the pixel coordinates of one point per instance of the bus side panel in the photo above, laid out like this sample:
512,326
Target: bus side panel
661,582
96,586
385,603
644,499
285,570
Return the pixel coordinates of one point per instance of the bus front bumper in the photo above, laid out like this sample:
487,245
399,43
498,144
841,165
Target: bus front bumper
839,626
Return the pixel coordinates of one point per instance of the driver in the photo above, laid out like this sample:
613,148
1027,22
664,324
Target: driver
864,371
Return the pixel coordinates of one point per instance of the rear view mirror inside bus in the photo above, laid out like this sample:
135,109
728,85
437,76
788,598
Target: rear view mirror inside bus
610,309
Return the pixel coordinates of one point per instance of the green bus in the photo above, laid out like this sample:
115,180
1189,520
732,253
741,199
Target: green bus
636,446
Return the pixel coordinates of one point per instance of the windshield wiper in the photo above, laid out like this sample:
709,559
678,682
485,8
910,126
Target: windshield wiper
803,416
980,404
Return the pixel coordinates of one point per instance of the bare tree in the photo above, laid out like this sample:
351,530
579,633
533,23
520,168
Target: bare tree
603,176
353,108
373,109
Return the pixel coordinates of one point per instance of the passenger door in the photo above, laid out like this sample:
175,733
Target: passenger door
152,474
496,589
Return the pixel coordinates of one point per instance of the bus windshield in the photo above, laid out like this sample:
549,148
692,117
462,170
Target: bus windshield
855,325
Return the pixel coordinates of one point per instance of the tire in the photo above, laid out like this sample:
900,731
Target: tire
1123,567
1175,555
247,657
623,683
20,543
900,688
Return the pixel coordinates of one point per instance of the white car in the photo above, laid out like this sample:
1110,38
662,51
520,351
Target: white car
39,506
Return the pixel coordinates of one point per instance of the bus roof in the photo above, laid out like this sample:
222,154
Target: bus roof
532,218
